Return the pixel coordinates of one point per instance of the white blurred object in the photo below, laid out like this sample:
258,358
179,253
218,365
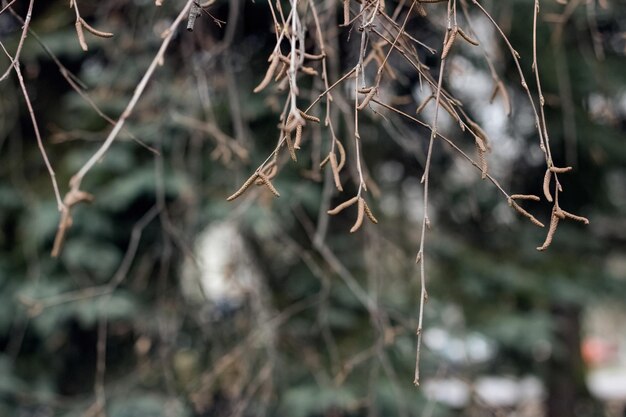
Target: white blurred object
498,391
224,272
608,384
449,391
472,348
494,391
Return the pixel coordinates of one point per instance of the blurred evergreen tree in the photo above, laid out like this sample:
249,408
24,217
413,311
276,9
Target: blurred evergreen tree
329,349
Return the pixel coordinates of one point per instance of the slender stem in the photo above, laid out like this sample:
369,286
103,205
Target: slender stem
78,177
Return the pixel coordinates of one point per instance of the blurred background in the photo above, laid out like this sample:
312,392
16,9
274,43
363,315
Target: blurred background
167,300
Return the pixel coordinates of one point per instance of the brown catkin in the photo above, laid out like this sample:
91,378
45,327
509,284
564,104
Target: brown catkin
468,38
369,214
447,46
546,185
81,35
565,214
269,184
281,72
342,206
95,31
308,70
292,151
270,170
558,170
269,74
359,215
554,222
335,170
244,187
298,141
525,197
342,155
482,160
314,57
524,213
309,117
367,99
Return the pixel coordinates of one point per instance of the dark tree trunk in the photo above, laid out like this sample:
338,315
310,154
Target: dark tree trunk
567,392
